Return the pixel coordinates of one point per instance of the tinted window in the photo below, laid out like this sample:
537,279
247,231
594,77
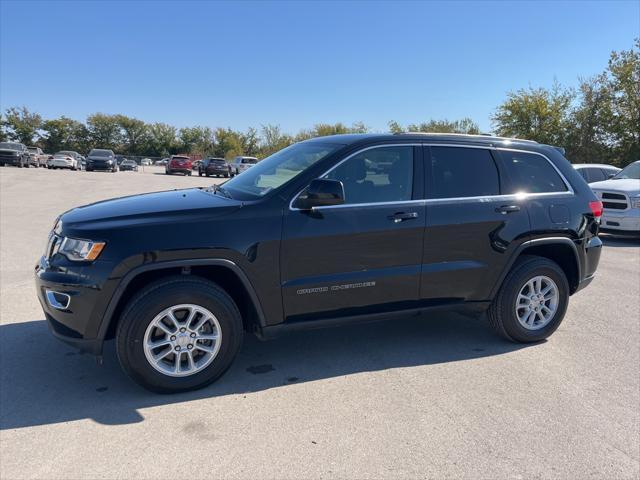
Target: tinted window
595,175
462,172
530,173
382,174
583,174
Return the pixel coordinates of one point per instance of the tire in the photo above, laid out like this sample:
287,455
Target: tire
226,175
188,174
200,173
502,312
154,299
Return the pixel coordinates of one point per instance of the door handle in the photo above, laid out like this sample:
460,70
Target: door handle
508,209
402,216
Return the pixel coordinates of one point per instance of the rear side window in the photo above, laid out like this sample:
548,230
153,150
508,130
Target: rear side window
595,175
530,173
462,172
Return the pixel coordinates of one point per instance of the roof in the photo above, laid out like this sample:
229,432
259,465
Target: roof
354,138
603,165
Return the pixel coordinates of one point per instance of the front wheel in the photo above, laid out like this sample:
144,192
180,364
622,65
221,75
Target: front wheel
532,301
178,334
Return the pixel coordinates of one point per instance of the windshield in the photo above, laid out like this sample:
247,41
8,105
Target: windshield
64,153
630,171
100,153
276,170
32,149
11,146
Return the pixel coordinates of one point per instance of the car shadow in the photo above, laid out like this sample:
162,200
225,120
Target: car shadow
46,382
619,241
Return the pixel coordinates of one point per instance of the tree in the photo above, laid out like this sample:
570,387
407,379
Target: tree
161,140
197,140
134,133
623,83
104,131
64,134
21,125
465,125
536,114
273,139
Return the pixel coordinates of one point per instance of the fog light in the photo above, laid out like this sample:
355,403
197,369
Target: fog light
59,301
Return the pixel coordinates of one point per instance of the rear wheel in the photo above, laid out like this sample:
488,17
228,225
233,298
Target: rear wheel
532,301
178,334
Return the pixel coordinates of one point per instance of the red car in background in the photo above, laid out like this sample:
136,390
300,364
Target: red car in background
178,164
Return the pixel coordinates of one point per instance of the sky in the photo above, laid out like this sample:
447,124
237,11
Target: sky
242,64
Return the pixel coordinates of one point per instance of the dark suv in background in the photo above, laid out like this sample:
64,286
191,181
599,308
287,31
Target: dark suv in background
214,166
101,159
327,231
14,153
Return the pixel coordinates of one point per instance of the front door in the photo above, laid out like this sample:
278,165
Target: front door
363,256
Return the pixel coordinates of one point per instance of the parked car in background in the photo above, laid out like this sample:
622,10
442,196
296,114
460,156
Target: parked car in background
101,159
242,163
145,162
162,162
178,164
128,165
214,166
65,159
120,159
38,158
595,172
14,153
620,197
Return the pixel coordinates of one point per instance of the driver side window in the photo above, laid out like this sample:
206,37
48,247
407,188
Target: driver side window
382,174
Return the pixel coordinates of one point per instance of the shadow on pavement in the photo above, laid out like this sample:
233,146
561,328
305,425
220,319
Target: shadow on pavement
45,382
619,241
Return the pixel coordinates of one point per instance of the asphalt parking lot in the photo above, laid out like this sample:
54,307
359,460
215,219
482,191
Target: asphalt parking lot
438,397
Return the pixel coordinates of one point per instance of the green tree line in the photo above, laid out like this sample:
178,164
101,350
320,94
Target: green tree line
599,121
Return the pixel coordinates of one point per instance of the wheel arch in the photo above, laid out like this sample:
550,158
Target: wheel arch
223,272
561,250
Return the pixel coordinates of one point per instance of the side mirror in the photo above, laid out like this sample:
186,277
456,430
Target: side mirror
321,192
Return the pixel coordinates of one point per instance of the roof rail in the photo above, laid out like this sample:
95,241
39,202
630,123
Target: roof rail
482,135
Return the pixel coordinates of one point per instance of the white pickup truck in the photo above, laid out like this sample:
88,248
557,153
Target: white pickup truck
620,197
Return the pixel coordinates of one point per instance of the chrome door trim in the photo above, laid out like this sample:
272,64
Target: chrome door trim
512,196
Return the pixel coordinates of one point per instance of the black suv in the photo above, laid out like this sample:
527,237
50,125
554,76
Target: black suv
331,230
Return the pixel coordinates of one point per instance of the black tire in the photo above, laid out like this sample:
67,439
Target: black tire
226,175
200,173
501,314
158,296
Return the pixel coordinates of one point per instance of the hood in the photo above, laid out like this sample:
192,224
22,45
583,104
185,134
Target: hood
175,206
626,185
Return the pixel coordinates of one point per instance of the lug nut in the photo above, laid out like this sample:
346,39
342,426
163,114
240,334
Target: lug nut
189,346
177,348
193,335
173,337
183,329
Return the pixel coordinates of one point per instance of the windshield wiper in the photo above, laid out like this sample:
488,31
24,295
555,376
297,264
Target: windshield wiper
223,191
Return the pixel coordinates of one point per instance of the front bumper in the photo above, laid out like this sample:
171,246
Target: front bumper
61,164
627,221
76,322
10,160
99,166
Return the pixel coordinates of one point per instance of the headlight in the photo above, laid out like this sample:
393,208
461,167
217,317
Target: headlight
81,250
635,202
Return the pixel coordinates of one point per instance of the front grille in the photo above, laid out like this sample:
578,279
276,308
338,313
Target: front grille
613,196
53,245
614,206
613,200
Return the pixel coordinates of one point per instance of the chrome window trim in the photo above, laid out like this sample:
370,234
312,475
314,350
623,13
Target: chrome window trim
509,196
295,197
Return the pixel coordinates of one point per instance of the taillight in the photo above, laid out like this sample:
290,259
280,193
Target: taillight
596,208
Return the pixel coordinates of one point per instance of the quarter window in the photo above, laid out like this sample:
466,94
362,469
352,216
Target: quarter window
462,172
382,174
530,173
595,175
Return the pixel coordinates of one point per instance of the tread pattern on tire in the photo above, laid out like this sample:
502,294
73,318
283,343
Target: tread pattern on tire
182,280
494,313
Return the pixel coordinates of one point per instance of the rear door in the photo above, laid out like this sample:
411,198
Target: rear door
365,255
472,226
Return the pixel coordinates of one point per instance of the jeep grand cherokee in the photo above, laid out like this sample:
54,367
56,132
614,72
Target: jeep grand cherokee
330,230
